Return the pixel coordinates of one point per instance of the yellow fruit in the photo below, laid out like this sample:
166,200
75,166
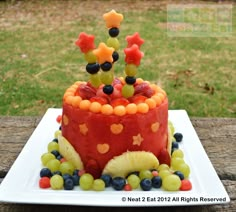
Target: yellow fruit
69,153
169,144
129,162
171,127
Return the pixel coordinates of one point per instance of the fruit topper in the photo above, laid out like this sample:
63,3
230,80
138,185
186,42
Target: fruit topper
106,55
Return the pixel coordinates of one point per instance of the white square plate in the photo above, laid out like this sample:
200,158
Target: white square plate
21,183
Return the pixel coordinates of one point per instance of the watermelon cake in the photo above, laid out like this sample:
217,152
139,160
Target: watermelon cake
114,129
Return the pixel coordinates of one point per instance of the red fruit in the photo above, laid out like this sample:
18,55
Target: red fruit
155,173
93,168
116,81
116,92
119,101
81,172
186,185
44,182
101,100
164,157
59,117
138,99
127,187
86,91
143,89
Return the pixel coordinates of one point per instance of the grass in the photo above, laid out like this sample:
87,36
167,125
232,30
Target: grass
39,59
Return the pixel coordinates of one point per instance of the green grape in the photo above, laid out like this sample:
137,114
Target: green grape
98,185
95,80
145,174
86,181
127,91
107,77
113,42
171,183
53,146
163,167
131,70
66,168
134,181
90,57
185,169
53,165
56,182
47,157
175,162
178,153
57,133
164,173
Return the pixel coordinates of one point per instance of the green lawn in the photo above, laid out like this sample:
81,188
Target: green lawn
38,58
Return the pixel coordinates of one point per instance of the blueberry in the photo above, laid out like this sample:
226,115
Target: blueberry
108,89
55,152
45,172
92,68
76,172
59,157
135,173
146,184
113,32
156,182
175,145
107,179
179,174
130,80
66,176
115,56
118,183
75,179
106,66
68,184
57,172
178,137
55,140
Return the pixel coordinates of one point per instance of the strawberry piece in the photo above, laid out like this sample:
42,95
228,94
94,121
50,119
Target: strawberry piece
59,118
186,185
93,168
127,187
86,91
164,157
44,182
143,89
138,99
101,100
119,101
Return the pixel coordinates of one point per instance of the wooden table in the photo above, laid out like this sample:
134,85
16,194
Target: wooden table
218,136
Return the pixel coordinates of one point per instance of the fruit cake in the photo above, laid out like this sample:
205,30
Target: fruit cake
114,131
108,116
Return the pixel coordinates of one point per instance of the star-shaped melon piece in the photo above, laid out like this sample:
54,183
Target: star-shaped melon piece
85,42
133,55
134,39
113,19
104,53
